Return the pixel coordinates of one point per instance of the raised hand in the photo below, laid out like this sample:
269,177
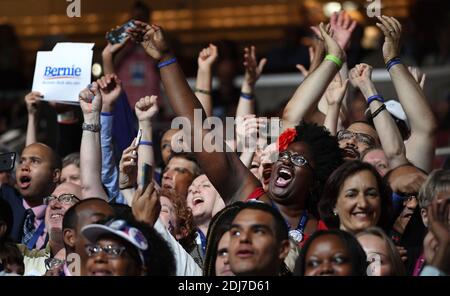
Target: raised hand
336,90
418,75
316,54
392,30
146,108
207,57
128,166
343,27
91,99
253,69
113,48
110,89
247,132
146,206
32,100
151,38
331,46
360,75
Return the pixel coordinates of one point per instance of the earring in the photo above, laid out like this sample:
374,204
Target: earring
335,213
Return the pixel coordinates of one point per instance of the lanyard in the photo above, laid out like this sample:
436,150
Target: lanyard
202,240
298,233
36,235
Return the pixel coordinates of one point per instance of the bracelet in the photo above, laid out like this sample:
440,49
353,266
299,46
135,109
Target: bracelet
166,63
91,127
247,96
375,98
334,59
106,114
383,107
203,91
392,62
148,143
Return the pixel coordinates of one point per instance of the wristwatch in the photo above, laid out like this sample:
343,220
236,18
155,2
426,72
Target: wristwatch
92,127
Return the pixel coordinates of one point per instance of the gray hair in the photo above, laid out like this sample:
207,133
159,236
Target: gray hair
438,181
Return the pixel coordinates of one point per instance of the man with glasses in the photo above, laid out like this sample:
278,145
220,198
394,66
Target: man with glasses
356,139
37,262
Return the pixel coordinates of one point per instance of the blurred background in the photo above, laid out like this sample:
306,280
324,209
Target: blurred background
278,28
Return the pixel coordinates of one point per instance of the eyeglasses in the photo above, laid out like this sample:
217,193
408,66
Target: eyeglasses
65,198
295,159
360,137
111,250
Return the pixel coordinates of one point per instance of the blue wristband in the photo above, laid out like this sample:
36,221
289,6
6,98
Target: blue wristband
392,62
106,114
246,96
166,63
148,143
375,98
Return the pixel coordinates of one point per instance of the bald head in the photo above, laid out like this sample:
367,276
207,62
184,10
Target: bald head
55,160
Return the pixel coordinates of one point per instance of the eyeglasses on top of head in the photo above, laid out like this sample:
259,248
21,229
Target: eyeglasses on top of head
360,137
65,198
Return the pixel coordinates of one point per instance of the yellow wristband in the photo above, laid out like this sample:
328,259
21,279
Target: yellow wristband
334,59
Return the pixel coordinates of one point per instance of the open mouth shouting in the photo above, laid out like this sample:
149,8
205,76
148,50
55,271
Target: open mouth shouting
24,182
351,152
197,200
284,177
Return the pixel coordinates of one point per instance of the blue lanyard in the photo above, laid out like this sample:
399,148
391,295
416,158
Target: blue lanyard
202,240
36,235
301,224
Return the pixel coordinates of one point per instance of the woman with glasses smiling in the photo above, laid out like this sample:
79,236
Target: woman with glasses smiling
122,247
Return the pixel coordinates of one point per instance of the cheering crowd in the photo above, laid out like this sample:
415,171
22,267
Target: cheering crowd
327,196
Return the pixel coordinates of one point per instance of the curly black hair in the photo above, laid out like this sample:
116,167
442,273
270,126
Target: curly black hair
327,156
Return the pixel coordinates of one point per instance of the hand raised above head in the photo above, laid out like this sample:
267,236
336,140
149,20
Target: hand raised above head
146,108
152,39
392,30
91,99
253,69
331,45
207,57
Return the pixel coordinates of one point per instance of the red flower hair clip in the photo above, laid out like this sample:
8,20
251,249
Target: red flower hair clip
286,138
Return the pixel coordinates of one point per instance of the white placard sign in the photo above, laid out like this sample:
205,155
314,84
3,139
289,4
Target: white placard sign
62,73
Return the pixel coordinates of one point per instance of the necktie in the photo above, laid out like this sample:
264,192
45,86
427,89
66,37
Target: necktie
28,226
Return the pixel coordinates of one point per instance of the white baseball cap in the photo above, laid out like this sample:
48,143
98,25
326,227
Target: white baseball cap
119,228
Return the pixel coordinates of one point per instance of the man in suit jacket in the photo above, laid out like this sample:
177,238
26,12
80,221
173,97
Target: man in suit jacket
37,176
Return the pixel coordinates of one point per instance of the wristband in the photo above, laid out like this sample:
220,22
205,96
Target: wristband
166,63
148,143
247,96
383,107
203,91
334,59
106,114
375,98
392,62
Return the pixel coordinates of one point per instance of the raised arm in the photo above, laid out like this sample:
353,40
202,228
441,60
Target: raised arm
145,109
203,84
334,96
422,121
90,151
32,100
237,182
253,70
108,54
390,138
307,95
110,89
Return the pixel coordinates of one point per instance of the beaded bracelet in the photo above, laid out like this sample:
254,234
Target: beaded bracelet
247,96
166,63
378,111
334,59
375,98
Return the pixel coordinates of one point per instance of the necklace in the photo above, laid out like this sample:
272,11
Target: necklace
296,234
